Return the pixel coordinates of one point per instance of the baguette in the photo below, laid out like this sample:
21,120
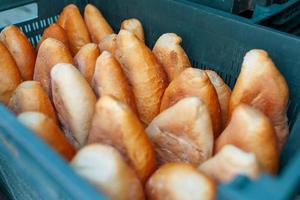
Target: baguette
71,20
10,76
229,162
115,124
171,55
223,92
135,26
109,43
183,133
54,31
109,79
194,82
21,50
261,85
144,73
105,168
178,181
74,101
96,23
48,131
30,96
50,53
85,60
250,130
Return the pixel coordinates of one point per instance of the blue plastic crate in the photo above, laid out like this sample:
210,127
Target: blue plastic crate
31,170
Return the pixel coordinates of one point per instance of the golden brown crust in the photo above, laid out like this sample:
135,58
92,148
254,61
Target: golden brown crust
54,31
115,124
109,79
223,92
71,20
135,26
109,43
178,181
250,130
10,76
85,60
21,50
74,101
30,96
50,53
194,82
229,162
144,73
105,168
183,133
96,23
171,55
47,130
261,85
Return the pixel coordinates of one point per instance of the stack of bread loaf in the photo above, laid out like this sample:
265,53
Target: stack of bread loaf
140,123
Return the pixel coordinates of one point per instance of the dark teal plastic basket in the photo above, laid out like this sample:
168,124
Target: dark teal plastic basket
29,169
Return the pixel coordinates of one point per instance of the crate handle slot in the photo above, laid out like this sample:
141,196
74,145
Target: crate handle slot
19,14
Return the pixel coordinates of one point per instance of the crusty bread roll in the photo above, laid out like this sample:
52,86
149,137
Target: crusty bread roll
250,130
171,55
109,79
85,60
30,96
229,162
194,82
143,72
179,181
183,133
223,92
96,23
109,43
54,31
47,130
50,53
74,101
115,124
9,75
21,50
71,20
105,168
261,85
135,26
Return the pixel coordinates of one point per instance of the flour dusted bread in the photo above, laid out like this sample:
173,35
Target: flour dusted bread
144,73
54,31
171,55
115,124
72,22
262,86
178,181
105,168
21,50
74,101
30,96
48,131
9,75
194,82
85,60
183,133
109,79
96,23
223,92
250,130
229,162
109,43
50,53
135,26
